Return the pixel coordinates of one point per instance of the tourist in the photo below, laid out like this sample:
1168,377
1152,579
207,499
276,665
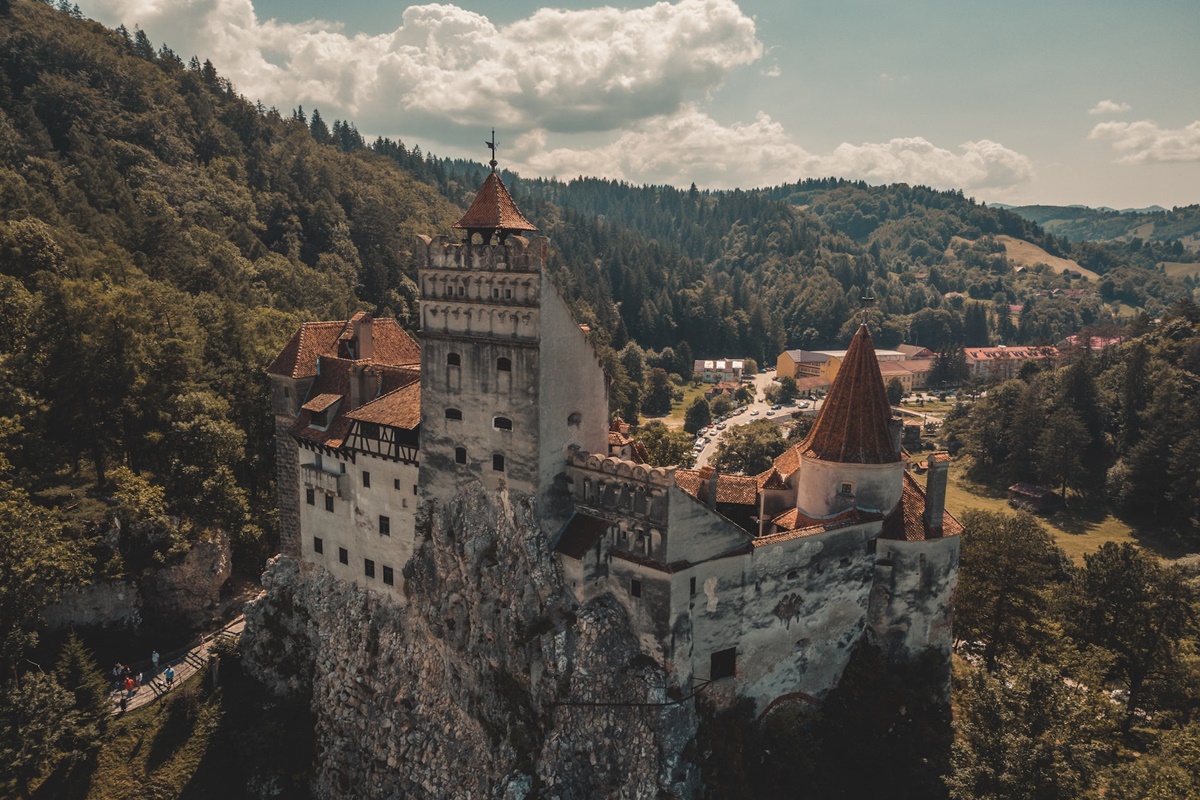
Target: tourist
154,663
169,674
129,684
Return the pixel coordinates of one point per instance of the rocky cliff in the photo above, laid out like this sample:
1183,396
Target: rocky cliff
490,681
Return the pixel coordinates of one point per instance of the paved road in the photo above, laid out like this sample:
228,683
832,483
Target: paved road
761,382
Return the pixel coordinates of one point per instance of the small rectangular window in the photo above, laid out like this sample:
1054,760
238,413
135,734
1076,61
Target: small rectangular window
385,525
462,290
692,587
343,466
404,503
329,502
318,544
366,479
847,488
460,455
396,483
343,555
508,294
495,293
723,664
310,497
368,568
498,463
453,413
635,588
414,488
388,576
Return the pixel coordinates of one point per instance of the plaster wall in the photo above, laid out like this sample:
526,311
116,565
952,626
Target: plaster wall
354,522
695,532
873,486
912,600
793,610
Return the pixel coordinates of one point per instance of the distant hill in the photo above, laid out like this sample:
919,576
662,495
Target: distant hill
1153,224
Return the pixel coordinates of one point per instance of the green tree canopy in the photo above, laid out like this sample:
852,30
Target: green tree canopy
698,415
749,449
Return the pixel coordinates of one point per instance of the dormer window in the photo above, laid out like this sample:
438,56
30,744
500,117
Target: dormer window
319,419
504,364
453,360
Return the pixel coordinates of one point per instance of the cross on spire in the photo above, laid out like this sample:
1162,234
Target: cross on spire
492,146
867,300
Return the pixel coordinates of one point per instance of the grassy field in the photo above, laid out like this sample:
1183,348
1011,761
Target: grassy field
1021,253
1077,531
1176,269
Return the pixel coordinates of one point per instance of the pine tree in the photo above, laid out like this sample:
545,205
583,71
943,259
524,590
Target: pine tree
318,128
78,673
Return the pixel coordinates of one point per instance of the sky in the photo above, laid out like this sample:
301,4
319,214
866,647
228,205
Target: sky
1093,102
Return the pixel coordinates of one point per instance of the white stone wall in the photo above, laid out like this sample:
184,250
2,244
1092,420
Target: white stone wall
912,601
873,486
354,522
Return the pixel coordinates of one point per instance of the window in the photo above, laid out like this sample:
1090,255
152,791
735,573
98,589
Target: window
495,293
498,463
504,364
388,576
366,479
453,360
385,525
318,544
508,294
343,466
792,574
310,497
414,488
369,430
329,502
343,555
847,488
368,568
575,419
404,502
635,588
692,587
319,419
286,393
453,413
502,423
462,290
460,455
722,664
396,483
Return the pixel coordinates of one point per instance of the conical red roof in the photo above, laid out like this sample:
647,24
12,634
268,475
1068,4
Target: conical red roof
853,425
494,210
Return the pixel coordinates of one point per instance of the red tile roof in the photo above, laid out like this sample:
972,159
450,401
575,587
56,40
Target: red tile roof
907,521
399,408
494,210
321,402
734,489
334,380
852,427
810,527
772,479
390,344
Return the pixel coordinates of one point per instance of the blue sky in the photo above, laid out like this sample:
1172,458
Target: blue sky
1055,102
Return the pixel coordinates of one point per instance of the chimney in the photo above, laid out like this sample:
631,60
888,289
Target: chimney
935,493
356,386
364,339
707,491
896,432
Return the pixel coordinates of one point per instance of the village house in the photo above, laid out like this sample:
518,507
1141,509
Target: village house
758,585
720,370
1002,363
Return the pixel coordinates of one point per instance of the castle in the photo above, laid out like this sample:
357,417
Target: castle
750,586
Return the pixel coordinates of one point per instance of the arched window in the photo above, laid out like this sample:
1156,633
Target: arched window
460,455
575,418
498,462
453,360
502,423
504,364
453,413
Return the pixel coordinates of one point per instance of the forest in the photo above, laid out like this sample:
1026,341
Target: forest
161,236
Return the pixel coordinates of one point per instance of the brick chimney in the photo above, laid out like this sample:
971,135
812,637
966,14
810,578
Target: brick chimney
935,493
896,431
707,491
364,339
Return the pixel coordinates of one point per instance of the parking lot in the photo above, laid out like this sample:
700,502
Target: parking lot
759,409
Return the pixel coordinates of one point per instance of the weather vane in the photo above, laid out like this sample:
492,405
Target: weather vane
867,301
492,146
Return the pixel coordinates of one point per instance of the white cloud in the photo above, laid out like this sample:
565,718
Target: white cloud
1144,142
691,146
1109,107
590,70
981,164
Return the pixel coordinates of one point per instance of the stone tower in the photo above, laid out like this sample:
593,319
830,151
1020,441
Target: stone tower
509,380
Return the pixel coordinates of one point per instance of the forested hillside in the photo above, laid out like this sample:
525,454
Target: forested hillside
1179,227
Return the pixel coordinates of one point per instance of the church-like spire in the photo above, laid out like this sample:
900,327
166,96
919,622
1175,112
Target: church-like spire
853,425
494,212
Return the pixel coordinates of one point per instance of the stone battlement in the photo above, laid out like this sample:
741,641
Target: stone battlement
516,254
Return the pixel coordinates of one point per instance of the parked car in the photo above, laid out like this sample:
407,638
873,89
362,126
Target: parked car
770,412
754,412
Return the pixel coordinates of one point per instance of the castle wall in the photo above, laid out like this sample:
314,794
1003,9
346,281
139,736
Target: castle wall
354,522
873,486
912,599
695,532
792,610
572,390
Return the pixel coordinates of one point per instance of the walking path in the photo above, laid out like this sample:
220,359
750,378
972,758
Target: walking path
186,663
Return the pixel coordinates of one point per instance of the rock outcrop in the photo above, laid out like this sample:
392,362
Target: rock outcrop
489,681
